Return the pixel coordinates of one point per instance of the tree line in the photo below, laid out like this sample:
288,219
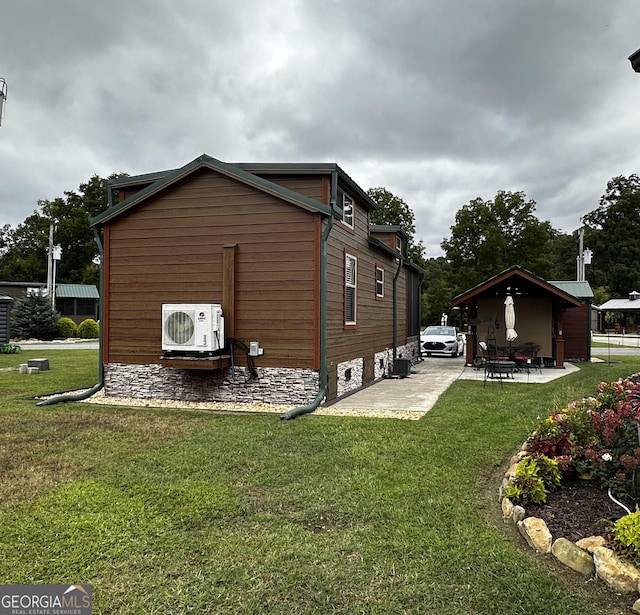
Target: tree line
487,237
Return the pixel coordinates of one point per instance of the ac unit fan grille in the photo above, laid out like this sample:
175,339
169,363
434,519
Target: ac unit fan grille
179,327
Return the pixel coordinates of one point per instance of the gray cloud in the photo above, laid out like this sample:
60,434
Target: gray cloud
440,102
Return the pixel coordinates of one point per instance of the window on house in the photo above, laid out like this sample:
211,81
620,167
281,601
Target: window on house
398,244
379,283
347,210
350,287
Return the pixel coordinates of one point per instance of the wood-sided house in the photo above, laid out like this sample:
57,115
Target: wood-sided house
316,301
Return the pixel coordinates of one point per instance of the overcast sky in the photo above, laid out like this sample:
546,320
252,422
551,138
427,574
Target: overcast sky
439,101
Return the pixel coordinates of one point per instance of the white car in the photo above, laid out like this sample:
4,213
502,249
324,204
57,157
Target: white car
440,339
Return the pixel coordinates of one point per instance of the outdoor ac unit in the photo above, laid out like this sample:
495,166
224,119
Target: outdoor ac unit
192,327
402,367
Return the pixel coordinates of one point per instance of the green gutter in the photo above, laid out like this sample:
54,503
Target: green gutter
100,384
322,391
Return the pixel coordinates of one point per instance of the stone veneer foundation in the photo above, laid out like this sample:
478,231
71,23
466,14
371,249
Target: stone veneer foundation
351,373
273,386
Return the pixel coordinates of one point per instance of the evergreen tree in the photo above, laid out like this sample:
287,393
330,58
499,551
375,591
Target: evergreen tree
34,317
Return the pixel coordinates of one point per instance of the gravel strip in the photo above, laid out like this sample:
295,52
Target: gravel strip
101,399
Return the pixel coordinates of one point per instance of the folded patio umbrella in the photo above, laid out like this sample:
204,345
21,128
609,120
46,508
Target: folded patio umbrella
510,319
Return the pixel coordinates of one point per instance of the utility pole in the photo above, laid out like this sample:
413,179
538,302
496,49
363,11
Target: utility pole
52,228
54,253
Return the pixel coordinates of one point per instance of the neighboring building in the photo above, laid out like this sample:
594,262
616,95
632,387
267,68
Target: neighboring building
75,301
5,313
287,251
549,317
78,301
628,311
19,290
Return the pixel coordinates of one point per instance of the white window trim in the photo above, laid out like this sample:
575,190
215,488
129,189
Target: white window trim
351,286
348,220
379,282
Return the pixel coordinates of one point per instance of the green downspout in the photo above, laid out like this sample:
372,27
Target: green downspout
322,391
100,384
421,278
395,306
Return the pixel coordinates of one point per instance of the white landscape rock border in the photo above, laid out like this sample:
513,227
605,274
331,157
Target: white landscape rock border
590,556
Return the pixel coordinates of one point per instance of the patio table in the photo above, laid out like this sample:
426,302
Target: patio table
497,370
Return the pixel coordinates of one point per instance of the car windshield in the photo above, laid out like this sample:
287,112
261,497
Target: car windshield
440,331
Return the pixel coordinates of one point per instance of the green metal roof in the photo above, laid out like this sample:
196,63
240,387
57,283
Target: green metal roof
77,291
581,290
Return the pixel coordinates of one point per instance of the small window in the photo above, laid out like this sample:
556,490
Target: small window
398,244
350,287
379,283
347,210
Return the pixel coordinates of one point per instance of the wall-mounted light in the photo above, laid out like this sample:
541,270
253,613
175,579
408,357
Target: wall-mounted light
3,97
634,58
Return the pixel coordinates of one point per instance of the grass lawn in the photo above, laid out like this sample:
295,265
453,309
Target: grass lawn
169,511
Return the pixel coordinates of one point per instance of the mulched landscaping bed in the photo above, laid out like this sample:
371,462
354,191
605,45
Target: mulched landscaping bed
577,510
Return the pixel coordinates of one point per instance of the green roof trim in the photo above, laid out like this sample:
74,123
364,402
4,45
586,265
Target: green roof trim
310,168
207,162
376,243
289,168
389,228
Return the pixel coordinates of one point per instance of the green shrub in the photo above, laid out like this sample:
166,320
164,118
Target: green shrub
10,349
535,477
88,329
67,327
626,533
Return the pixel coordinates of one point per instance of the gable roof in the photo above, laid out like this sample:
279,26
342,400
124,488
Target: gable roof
161,181
261,168
519,282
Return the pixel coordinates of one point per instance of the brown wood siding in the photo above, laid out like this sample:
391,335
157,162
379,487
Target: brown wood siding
575,331
170,250
388,239
309,185
374,329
